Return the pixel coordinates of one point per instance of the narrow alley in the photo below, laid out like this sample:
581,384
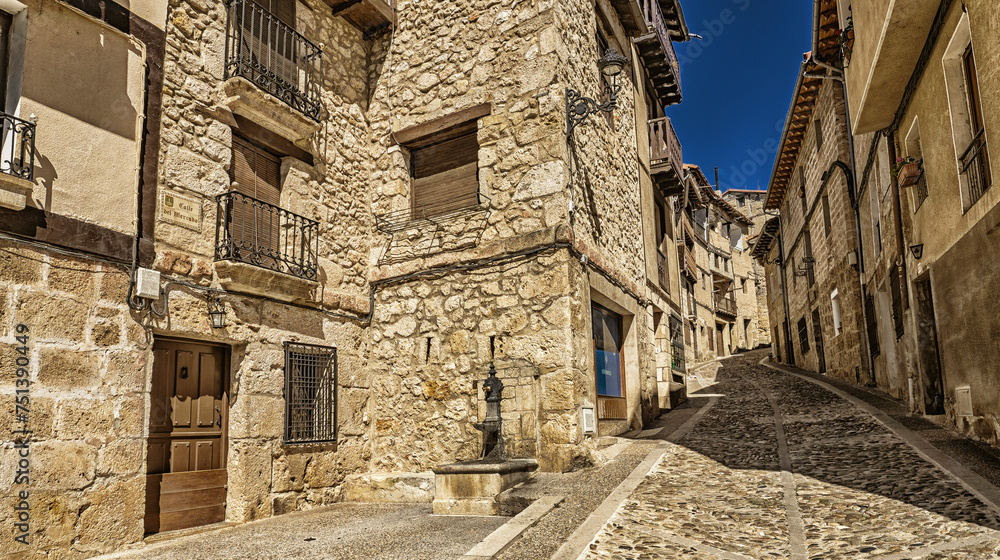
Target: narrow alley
780,467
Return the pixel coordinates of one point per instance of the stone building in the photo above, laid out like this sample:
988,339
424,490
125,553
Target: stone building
811,187
913,100
928,96
283,256
720,291
751,203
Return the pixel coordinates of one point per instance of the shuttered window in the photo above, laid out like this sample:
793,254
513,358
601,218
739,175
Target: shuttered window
256,173
445,172
271,44
803,336
872,326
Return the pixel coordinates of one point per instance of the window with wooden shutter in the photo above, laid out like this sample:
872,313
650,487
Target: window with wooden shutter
254,221
271,35
445,172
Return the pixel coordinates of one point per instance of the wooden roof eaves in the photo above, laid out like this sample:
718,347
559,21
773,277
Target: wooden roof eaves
790,141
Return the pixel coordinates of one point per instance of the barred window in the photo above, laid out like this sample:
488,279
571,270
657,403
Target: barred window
310,393
803,336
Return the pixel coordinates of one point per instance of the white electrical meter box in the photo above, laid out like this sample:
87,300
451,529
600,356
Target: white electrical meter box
147,284
589,426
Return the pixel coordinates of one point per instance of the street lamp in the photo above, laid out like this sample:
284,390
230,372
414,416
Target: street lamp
578,107
217,311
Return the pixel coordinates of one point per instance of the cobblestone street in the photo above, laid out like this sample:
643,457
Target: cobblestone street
780,467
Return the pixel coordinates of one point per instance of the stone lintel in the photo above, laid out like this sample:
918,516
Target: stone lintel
247,100
242,277
477,467
14,191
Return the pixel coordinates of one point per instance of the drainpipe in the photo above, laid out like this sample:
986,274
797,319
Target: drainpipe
789,348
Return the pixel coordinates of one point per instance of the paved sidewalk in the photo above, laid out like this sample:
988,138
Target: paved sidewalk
780,467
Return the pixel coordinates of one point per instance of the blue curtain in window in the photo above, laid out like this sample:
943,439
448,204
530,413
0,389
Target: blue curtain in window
607,352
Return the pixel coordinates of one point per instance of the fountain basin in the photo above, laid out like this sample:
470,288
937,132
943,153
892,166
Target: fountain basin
471,488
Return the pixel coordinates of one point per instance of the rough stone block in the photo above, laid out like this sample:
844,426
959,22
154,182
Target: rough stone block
256,416
390,487
20,266
63,465
115,514
289,472
60,368
249,481
51,317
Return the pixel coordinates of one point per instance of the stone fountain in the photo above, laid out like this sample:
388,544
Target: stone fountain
471,487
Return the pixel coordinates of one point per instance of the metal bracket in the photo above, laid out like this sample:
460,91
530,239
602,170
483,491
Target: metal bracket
578,107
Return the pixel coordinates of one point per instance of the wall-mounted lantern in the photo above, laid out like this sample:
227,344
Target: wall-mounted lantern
578,107
217,311
917,250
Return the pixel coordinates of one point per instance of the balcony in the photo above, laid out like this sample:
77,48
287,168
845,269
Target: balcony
657,51
17,162
271,55
663,271
688,265
725,306
666,163
370,16
975,164
253,232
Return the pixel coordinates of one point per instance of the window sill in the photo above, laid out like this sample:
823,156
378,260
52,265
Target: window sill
14,192
247,100
242,277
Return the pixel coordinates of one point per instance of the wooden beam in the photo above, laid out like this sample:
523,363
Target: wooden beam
411,134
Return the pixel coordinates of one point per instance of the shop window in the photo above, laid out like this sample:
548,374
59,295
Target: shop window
310,393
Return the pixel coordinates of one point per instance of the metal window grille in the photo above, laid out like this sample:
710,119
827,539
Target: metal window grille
310,393
976,166
803,336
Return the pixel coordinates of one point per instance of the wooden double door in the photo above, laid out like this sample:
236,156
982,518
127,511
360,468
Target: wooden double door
186,460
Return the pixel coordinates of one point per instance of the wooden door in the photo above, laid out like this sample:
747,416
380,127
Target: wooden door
719,349
186,460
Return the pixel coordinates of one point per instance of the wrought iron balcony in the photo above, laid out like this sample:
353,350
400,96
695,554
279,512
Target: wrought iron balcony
273,56
976,168
254,232
666,162
726,306
17,156
658,55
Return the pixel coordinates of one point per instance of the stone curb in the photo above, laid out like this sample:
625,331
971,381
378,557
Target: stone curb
498,540
974,483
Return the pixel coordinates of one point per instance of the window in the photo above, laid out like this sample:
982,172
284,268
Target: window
803,336
827,222
809,261
711,339
608,336
802,193
310,393
975,161
740,201
444,169
253,224
687,334
818,125
838,326
6,20
703,281
915,150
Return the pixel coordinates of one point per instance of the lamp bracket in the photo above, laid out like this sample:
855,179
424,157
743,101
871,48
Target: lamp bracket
578,107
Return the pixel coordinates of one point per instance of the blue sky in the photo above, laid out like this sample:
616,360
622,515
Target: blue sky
737,84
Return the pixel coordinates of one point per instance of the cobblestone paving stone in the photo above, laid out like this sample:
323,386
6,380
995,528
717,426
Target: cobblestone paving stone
857,490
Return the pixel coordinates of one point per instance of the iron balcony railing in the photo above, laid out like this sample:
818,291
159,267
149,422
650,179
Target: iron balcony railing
254,232
17,157
976,167
725,306
272,55
654,18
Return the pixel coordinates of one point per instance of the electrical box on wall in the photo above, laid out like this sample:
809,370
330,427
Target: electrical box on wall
147,284
589,425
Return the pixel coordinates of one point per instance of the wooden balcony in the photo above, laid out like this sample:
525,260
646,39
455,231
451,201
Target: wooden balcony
658,56
370,16
666,162
688,265
726,306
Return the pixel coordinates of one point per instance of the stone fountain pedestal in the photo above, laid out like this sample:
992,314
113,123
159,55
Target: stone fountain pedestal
471,488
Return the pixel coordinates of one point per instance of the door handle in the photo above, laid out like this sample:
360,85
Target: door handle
219,413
